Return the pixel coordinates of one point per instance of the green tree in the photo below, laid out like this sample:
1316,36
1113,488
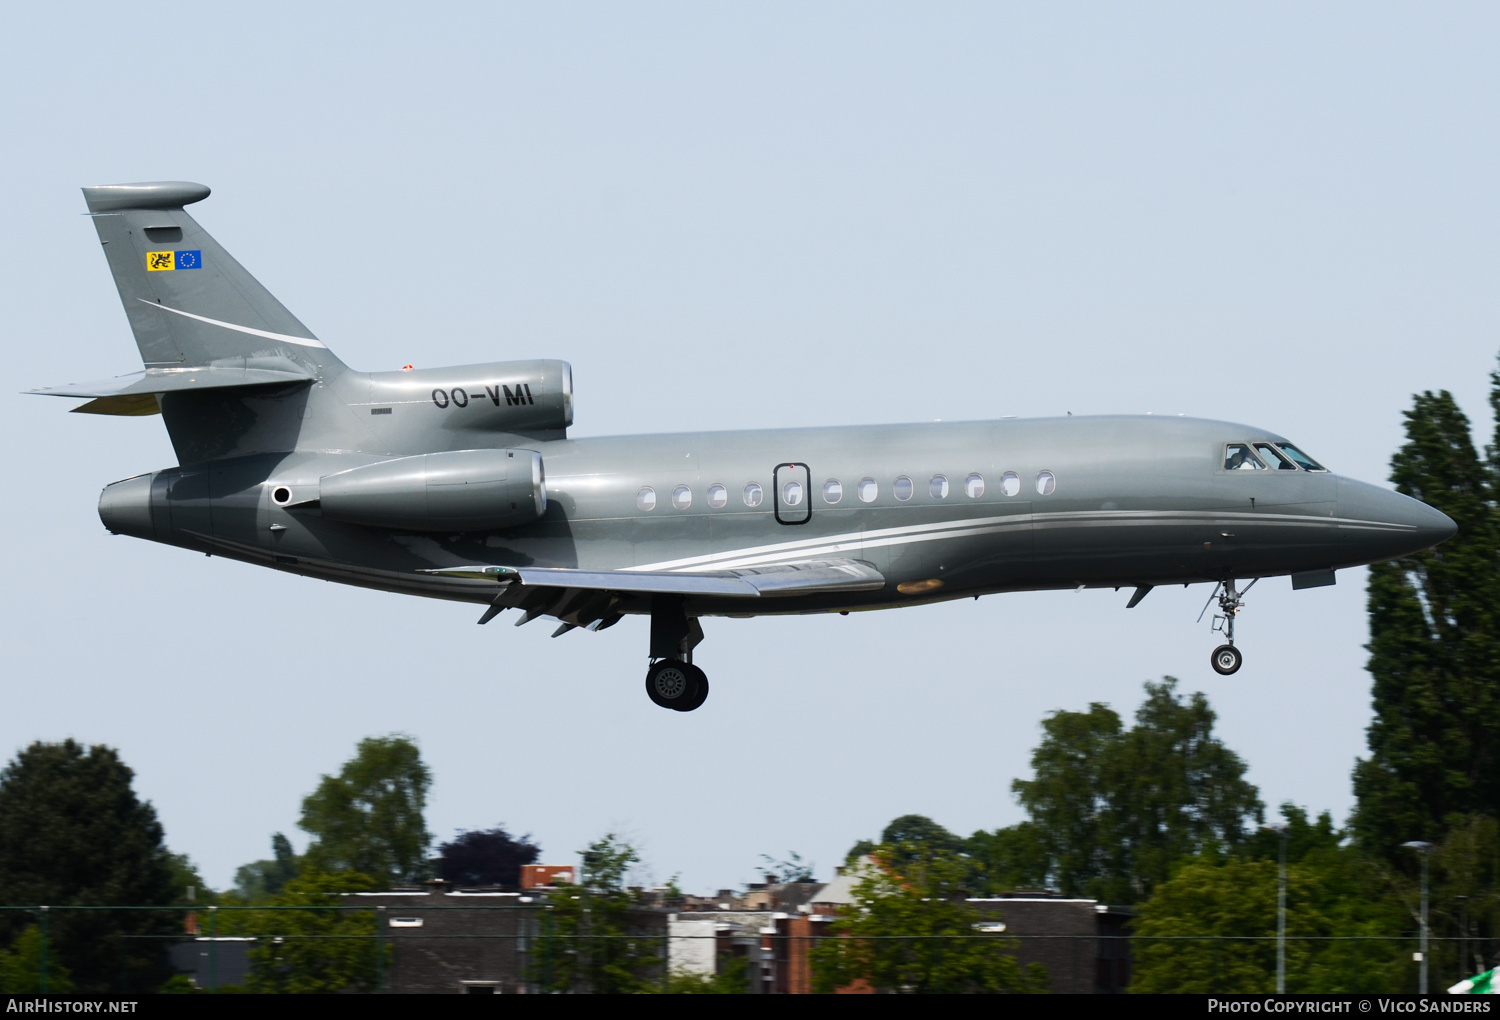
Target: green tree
1007,859
591,942
1465,900
305,950
1435,647
733,978
917,831
21,967
920,831
186,882
911,930
72,831
258,881
368,818
1212,926
1112,810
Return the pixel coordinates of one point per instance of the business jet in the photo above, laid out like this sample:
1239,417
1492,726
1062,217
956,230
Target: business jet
463,483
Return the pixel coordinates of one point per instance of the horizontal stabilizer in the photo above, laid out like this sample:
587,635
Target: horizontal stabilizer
135,394
809,577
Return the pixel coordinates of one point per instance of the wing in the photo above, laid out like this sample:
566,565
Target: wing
585,598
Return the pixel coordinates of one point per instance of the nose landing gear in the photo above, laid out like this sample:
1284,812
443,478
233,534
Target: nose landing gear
1226,659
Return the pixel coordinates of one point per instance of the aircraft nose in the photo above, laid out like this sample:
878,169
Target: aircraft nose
1379,524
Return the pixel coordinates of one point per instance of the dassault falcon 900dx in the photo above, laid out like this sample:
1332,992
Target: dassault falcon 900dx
462,483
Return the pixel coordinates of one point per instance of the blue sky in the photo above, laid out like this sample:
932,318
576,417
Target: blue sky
730,216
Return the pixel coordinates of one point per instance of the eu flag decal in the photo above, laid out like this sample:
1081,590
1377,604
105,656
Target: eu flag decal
190,259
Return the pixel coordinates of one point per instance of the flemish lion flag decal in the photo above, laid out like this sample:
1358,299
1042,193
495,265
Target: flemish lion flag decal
168,261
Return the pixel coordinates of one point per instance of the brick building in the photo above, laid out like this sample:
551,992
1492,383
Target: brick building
443,940
1082,943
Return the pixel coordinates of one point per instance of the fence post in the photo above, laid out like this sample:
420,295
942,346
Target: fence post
547,948
45,915
213,949
379,950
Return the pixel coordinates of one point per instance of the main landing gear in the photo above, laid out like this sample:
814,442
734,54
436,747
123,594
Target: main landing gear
678,685
673,681
1226,659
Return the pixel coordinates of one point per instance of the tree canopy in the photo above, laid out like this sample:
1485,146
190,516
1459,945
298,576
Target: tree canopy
260,880
911,930
368,818
1435,646
311,951
72,831
588,945
1113,809
486,857
1345,931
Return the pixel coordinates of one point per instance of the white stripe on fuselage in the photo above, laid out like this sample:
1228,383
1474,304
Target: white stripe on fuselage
854,541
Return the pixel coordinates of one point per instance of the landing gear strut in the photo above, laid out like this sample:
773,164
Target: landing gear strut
673,681
1226,659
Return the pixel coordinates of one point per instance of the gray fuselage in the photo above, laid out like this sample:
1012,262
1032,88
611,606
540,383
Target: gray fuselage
1137,500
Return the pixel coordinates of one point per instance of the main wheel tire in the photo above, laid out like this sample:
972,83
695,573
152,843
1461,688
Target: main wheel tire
702,680
672,684
1227,659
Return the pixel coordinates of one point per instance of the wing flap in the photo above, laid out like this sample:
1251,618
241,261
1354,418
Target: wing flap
831,575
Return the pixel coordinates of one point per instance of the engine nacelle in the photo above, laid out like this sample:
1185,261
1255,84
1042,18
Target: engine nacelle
462,490
533,398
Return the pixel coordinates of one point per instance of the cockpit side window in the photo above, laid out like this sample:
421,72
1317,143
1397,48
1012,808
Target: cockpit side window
1273,457
1239,457
1306,462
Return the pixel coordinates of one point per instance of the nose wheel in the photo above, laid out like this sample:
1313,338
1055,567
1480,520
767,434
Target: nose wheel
1226,659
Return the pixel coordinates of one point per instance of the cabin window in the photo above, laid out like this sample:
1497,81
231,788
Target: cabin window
938,486
1046,482
1010,483
833,490
646,498
1307,463
1273,457
682,497
868,490
718,496
1238,457
903,488
753,494
974,485
791,493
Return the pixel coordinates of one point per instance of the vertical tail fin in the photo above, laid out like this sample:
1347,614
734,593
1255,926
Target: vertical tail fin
191,305
188,301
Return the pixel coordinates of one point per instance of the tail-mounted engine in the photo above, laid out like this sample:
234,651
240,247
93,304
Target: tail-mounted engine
462,490
532,398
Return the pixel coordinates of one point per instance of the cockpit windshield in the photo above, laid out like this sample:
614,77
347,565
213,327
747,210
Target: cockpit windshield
1274,457
1302,459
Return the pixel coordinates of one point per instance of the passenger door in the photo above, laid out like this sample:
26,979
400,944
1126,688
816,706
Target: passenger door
791,493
